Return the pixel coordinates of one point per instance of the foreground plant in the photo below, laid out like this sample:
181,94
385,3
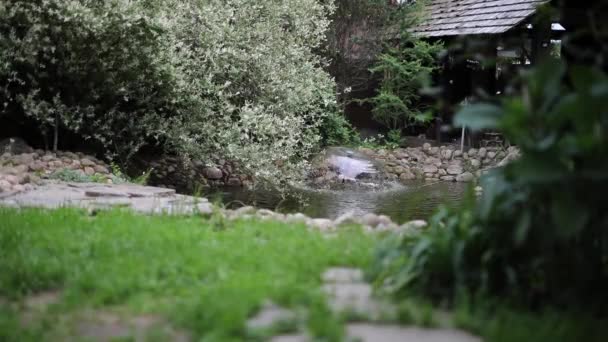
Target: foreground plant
539,233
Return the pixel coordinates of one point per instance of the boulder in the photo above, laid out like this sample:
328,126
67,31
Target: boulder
448,178
373,220
457,154
434,151
426,147
472,152
234,181
465,177
399,170
212,173
101,169
348,218
5,186
454,169
414,225
322,224
407,175
446,154
429,169
491,155
89,171
24,158
482,153
475,163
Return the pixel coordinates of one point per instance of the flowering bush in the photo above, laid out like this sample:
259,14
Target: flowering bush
237,79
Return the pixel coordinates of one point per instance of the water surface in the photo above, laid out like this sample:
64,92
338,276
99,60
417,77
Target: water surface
402,202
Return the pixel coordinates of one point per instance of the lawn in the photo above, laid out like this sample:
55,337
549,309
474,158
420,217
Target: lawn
67,275
202,276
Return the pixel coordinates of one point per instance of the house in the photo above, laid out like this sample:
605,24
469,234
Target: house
488,41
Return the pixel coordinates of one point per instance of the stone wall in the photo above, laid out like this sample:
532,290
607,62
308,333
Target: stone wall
444,163
186,175
23,171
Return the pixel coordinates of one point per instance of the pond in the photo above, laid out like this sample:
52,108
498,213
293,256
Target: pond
401,202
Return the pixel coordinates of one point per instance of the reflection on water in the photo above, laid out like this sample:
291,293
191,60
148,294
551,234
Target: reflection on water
415,200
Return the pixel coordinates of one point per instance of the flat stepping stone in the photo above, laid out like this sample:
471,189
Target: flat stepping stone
353,298
390,333
270,315
290,338
342,275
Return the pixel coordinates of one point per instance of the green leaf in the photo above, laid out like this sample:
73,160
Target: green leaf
479,116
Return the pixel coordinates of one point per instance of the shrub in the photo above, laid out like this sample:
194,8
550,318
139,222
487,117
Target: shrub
238,79
404,69
540,231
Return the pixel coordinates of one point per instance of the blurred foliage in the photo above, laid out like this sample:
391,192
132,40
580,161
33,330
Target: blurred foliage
539,233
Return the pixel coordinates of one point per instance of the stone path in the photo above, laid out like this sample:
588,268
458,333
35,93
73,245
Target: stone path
348,293
143,199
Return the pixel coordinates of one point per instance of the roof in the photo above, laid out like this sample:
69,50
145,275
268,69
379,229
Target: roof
469,17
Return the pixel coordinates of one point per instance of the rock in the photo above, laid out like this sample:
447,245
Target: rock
416,224
433,161
12,179
212,173
18,188
398,170
426,147
408,175
442,172
434,151
234,181
429,169
89,171
447,178
475,163
296,218
373,220
246,210
465,156
472,152
322,223
482,153
478,189
465,177
24,178
5,186
48,157
491,155
101,169
446,154
454,169
24,158
348,218
509,158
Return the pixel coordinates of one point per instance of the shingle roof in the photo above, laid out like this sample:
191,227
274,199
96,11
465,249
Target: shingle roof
467,17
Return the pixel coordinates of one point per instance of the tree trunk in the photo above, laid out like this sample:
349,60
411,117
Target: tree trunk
56,133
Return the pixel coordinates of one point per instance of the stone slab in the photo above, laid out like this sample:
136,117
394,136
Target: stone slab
365,332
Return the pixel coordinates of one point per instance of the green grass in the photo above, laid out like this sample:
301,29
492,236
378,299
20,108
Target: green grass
205,280
208,276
